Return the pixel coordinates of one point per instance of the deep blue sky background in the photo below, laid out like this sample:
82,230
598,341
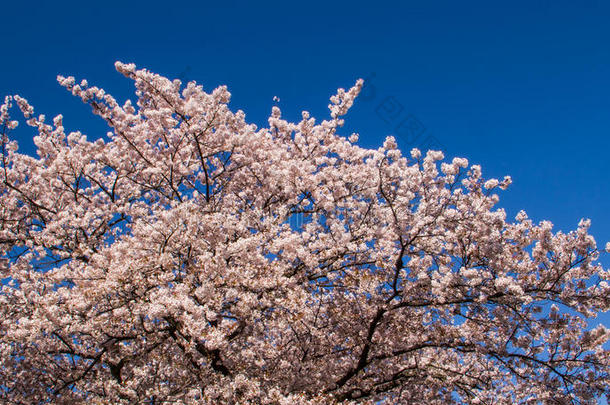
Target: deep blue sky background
522,89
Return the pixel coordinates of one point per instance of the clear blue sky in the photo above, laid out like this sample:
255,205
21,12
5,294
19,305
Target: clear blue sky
522,89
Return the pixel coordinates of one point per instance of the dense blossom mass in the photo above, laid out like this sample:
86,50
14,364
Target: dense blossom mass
161,264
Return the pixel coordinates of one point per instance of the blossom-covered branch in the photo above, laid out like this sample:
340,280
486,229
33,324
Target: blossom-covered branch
158,264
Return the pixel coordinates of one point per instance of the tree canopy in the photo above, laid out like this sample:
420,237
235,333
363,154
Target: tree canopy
159,264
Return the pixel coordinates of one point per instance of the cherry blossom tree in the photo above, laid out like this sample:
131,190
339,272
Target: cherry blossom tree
159,264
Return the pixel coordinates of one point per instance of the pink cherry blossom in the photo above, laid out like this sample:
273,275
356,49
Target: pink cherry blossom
159,264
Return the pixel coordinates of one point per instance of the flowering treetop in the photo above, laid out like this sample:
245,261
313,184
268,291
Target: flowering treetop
158,265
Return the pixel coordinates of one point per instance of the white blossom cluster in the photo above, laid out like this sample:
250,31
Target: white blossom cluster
158,265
